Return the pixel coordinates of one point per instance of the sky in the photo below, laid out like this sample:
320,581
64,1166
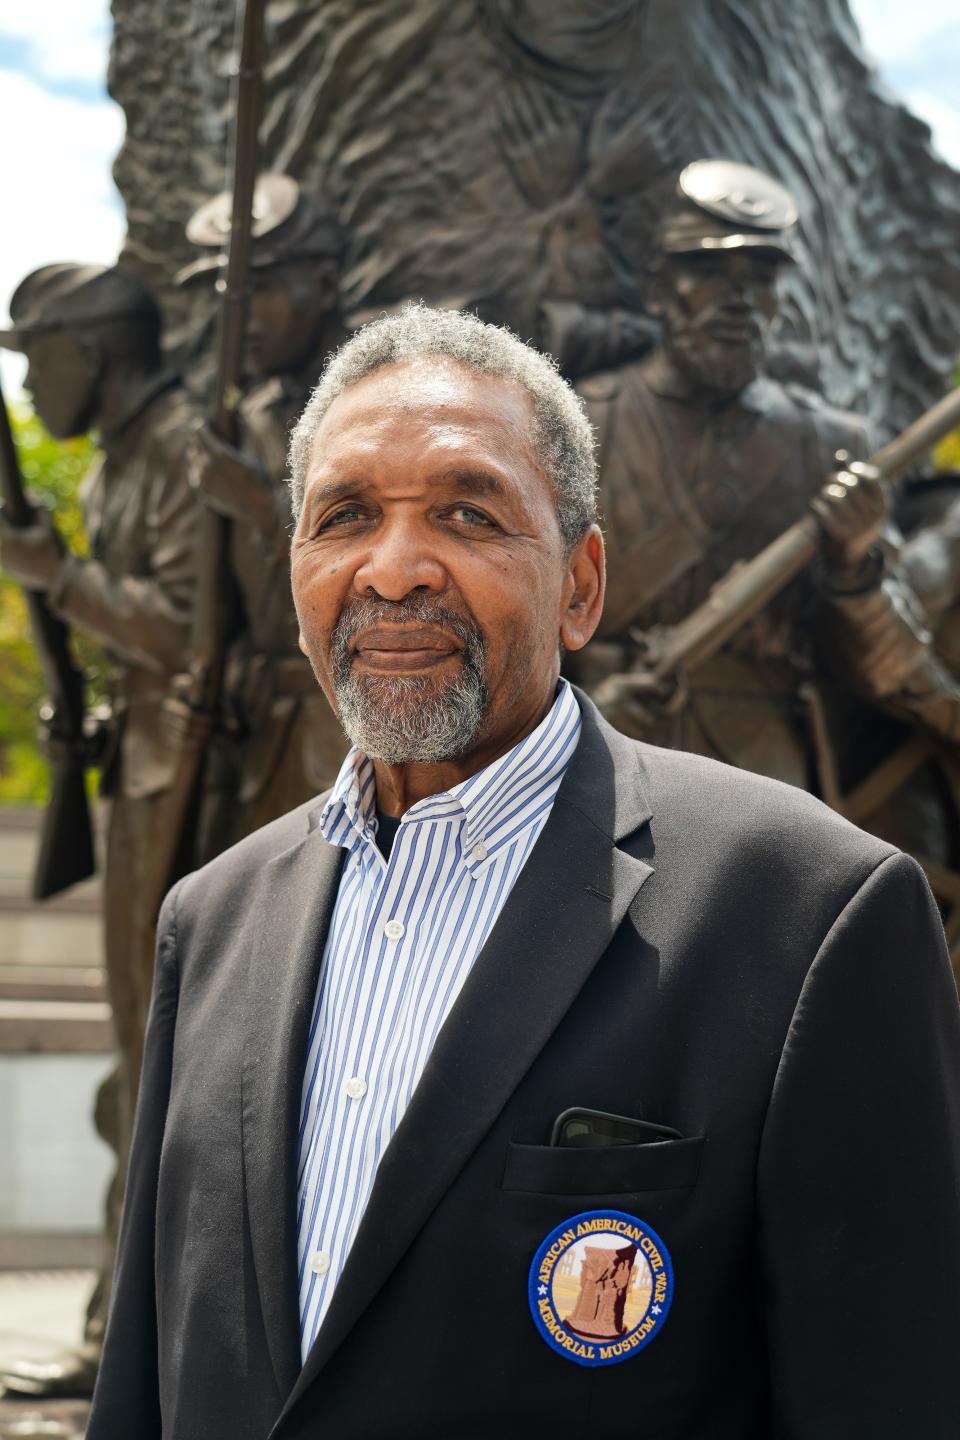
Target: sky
63,131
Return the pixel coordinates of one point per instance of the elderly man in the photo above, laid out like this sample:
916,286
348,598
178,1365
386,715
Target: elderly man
531,1080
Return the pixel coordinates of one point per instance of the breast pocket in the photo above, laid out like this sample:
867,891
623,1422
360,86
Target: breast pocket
602,1170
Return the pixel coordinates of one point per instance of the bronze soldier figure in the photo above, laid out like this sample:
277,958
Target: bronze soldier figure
903,634
91,335
705,459
288,744
909,623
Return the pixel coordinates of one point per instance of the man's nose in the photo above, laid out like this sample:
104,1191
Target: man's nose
399,561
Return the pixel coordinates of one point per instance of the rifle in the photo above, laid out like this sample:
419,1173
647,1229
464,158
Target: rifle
193,706
665,651
66,843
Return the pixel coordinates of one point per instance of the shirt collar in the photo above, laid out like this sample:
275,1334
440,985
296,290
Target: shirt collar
494,803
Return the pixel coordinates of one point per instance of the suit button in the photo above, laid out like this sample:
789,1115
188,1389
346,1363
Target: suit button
394,929
320,1262
356,1088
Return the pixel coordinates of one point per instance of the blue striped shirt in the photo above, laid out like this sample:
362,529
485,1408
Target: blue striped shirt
403,937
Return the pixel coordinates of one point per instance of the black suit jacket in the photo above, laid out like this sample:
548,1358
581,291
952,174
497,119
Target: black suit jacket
688,943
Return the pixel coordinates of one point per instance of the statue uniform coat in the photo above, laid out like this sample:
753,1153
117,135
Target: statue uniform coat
287,742
690,487
688,943
135,594
293,743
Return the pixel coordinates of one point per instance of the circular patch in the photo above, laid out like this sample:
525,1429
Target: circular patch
600,1287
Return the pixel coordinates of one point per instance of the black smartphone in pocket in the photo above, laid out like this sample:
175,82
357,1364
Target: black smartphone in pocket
581,1128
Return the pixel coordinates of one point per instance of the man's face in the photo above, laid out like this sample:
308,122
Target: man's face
63,379
287,311
717,308
430,578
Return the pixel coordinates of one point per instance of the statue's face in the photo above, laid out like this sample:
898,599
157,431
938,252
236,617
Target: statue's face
717,308
63,377
288,310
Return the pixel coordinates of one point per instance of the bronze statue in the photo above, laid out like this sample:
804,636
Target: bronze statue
708,463
918,633
909,788
515,148
286,743
605,1277
705,459
91,335
928,520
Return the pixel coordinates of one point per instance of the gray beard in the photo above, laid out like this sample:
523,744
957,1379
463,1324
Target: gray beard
400,719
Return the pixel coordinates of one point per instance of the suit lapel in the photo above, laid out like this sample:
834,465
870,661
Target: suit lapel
560,917
299,888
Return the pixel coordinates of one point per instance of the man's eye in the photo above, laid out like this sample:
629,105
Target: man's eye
346,515
469,516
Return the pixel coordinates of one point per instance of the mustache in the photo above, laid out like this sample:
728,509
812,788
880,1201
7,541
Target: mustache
366,614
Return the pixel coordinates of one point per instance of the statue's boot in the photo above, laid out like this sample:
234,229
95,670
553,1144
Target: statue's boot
70,1376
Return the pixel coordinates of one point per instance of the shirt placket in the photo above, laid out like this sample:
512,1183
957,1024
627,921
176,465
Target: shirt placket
358,1094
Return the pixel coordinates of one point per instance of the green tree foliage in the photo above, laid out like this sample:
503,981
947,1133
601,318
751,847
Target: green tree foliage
947,454
52,471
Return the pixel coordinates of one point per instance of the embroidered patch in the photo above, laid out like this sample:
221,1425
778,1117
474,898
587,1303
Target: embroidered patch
600,1287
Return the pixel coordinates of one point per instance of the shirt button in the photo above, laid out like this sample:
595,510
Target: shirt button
356,1088
479,851
320,1262
394,929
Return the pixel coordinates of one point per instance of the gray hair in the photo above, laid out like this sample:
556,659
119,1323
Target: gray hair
563,438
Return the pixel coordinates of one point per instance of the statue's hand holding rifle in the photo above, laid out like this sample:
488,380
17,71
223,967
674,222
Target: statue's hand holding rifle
853,511
31,553
847,520
230,482
636,701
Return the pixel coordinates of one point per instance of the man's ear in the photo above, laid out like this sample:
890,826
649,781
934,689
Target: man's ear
583,590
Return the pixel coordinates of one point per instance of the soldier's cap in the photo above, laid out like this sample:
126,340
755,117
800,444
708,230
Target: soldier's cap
67,296
288,224
720,205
